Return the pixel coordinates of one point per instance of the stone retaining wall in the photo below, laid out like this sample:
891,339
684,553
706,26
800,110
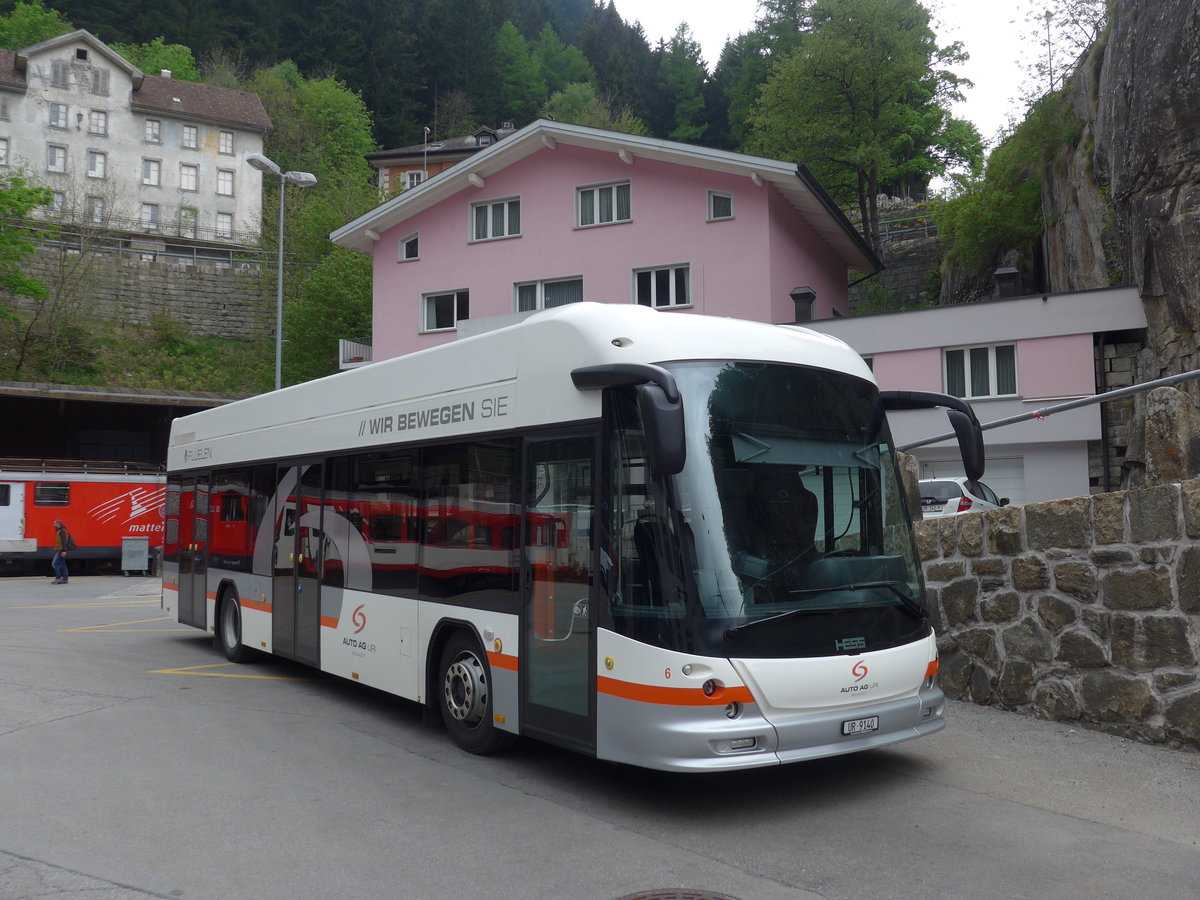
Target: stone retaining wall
1081,610
207,299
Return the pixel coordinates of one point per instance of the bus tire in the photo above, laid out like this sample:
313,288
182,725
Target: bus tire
465,697
229,629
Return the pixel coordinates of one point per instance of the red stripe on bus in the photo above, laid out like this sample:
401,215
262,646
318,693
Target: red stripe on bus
671,696
502,661
170,586
329,622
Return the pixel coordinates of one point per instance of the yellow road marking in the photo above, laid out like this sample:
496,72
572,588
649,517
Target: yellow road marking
120,626
195,670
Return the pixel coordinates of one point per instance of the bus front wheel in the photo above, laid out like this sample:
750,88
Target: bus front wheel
465,697
229,630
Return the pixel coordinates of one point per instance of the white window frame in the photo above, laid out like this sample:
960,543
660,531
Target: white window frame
149,216
461,295
225,143
970,360
58,202
191,132
97,210
59,114
223,220
672,300
598,202
189,177
99,82
505,205
97,164
153,131
402,250
97,122
3,151
225,184
413,177
540,291
152,172
712,214
56,158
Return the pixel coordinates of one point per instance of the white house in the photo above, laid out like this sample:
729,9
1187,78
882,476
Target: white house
127,151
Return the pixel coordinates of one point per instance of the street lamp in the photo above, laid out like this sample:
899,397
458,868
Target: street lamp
299,179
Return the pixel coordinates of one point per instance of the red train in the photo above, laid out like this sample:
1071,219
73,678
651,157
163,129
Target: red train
101,503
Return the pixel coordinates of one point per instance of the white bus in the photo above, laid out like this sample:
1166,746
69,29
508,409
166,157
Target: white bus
673,541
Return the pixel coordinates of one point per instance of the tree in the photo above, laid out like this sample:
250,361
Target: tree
558,64
1063,30
18,199
682,75
579,104
158,55
864,102
334,302
31,23
522,89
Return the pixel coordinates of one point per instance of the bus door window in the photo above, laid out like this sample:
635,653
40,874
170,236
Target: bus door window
310,549
559,510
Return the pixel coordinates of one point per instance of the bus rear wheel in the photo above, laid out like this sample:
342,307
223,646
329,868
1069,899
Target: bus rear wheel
229,629
465,697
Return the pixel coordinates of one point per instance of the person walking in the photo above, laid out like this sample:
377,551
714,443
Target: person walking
62,542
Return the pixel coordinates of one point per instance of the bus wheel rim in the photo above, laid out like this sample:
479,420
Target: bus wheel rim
466,690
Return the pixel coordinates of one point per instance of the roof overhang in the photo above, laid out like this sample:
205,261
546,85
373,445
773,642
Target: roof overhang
43,391
795,183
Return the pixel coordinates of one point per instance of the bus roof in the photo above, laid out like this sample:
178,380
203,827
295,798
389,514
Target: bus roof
513,377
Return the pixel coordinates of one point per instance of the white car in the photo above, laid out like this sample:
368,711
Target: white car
951,496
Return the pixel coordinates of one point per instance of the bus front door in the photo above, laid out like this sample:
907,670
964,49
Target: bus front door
558,684
296,597
12,517
193,551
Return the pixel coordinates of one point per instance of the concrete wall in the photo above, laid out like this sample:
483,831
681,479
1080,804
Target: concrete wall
1083,610
208,300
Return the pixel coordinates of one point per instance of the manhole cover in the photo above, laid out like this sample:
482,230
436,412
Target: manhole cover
677,894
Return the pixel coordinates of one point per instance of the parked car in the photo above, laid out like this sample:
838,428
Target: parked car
951,496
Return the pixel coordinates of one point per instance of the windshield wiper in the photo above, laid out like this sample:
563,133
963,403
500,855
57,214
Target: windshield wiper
910,605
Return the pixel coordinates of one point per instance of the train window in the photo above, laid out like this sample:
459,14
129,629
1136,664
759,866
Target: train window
51,493
5,499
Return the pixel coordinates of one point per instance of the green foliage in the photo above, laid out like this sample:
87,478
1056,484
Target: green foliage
157,55
558,63
864,102
522,88
1001,210
31,23
334,302
18,199
682,74
580,105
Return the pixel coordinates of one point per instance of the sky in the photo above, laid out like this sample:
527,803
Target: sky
996,44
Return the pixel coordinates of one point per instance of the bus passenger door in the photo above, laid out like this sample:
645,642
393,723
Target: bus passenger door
558,637
193,551
296,610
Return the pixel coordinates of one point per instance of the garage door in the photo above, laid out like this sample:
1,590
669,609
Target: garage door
1004,476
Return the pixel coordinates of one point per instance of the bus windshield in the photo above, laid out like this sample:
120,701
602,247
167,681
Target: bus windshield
786,534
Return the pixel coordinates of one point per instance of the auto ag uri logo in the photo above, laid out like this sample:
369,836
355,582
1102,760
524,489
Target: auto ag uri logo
859,671
360,619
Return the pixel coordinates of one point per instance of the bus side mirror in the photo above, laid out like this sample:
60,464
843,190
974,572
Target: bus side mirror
658,402
962,420
663,421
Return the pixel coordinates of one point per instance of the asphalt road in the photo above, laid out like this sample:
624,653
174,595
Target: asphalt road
134,762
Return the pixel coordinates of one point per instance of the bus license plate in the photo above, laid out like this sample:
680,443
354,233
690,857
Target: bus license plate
860,726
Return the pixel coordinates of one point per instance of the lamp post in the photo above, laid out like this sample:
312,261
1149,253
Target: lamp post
299,179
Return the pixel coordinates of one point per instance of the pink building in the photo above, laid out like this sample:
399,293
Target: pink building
557,213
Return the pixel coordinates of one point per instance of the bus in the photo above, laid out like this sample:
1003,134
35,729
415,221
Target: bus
101,503
672,541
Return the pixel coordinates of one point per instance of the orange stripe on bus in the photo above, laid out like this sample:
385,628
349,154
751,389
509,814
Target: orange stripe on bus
256,605
502,661
671,696
329,621
170,586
